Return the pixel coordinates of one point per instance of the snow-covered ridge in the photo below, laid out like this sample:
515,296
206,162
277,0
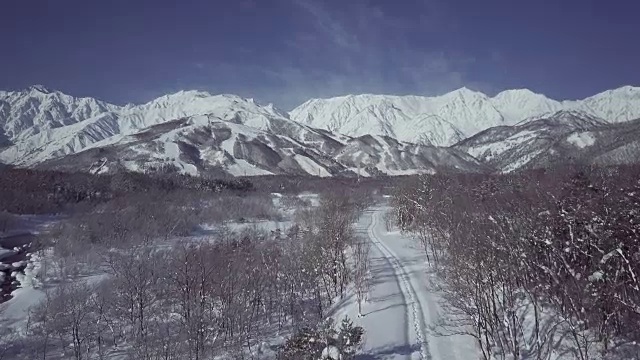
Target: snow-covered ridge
444,120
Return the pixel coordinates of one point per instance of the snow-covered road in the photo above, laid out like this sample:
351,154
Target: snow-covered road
402,314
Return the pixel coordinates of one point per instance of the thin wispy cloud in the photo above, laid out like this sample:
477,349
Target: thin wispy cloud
325,22
286,51
356,48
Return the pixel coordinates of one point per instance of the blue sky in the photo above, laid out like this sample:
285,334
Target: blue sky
286,51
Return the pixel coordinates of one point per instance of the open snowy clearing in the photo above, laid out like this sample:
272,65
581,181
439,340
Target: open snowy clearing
403,310
582,140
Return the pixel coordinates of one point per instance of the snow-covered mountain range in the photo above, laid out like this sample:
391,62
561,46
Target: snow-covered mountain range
447,119
195,132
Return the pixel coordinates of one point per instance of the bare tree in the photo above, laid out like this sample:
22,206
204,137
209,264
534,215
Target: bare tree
138,278
509,245
361,275
67,316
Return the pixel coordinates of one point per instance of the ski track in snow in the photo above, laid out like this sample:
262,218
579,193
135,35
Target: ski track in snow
416,316
402,274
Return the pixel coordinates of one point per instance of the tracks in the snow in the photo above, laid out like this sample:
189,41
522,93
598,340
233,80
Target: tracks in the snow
415,316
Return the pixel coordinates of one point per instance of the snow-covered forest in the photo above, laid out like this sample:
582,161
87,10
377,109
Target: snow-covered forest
132,267
538,265
535,265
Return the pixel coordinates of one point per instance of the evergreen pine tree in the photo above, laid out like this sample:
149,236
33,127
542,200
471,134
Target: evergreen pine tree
349,338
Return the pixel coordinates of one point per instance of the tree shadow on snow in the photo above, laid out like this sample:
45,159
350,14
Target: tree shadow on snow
385,352
339,306
390,297
383,309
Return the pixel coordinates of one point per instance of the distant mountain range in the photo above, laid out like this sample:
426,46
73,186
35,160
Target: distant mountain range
198,133
447,119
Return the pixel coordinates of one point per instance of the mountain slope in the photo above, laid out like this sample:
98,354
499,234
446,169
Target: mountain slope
432,121
36,109
206,144
49,132
617,105
564,137
197,145
447,119
380,154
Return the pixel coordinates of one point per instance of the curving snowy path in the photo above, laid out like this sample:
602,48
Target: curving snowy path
403,309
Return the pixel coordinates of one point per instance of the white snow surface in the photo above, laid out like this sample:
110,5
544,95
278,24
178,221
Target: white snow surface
243,168
310,166
490,150
331,353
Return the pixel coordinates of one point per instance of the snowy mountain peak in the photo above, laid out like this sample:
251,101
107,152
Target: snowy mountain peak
625,92
40,88
465,92
275,110
188,93
518,94
629,88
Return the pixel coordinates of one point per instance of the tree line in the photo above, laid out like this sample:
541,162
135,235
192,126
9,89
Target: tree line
537,263
39,191
29,191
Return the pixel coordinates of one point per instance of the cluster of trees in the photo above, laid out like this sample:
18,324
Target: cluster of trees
238,207
331,236
291,184
535,263
8,221
80,241
28,191
186,300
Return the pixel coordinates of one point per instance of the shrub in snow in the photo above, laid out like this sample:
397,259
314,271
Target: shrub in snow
30,278
349,338
324,342
305,344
